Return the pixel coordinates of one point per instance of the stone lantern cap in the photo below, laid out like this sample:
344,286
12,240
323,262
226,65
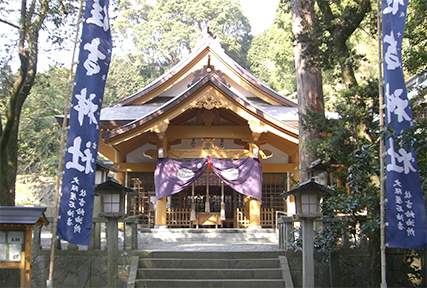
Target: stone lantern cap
113,185
309,186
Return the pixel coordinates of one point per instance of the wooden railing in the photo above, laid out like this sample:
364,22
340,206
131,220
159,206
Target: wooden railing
268,218
243,220
178,217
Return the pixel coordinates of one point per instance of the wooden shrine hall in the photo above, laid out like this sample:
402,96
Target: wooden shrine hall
205,112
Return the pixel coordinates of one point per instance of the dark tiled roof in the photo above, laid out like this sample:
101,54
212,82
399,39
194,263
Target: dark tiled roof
17,215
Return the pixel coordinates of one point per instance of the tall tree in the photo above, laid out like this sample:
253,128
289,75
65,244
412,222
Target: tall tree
338,21
39,137
308,74
271,56
415,48
126,76
163,33
32,20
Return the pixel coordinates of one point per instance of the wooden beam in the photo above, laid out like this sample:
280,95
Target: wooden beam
219,132
279,168
134,167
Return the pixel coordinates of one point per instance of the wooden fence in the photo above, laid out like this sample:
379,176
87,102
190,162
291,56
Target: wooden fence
268,218
178,217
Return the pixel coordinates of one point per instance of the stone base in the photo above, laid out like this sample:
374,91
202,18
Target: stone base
161,227
255,227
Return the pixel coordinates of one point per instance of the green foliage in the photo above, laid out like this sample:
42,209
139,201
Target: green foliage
167,31
39,132
350,139
271,56
414,52
416,137
126,76
6,83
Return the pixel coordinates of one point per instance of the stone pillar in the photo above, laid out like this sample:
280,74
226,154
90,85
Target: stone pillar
255,213
307,253
113,253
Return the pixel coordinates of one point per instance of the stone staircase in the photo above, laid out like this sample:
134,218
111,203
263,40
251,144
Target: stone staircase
211,239
209,269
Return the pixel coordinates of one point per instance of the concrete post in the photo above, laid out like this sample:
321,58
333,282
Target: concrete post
307,253
113,251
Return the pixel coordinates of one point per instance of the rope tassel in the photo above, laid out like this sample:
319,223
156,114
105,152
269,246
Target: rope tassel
193,205
222,202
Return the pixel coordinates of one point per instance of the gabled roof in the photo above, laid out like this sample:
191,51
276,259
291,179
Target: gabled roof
211,46
215,81
16,215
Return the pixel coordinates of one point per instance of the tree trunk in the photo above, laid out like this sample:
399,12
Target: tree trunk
309,79
20,91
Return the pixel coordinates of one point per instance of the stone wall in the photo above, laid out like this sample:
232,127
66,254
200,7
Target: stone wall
77,269
345,268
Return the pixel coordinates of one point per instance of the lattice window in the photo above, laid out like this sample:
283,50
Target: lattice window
143,183
273,184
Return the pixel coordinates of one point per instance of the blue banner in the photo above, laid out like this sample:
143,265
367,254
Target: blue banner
78,184
405,213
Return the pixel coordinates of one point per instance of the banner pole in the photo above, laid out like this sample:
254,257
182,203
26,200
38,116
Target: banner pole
382,150
65,127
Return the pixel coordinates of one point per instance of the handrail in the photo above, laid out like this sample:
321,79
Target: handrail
277,217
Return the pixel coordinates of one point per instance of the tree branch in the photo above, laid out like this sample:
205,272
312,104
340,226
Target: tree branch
8,23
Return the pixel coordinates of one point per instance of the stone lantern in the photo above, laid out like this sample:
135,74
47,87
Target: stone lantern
113,198
307,200
113,195
320,171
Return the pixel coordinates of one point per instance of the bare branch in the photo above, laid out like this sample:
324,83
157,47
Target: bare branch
8,23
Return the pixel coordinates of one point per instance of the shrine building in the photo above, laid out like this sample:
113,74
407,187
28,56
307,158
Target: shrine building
205,144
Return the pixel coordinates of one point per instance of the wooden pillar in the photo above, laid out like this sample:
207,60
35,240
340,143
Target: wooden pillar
161,213
295,159
254,204
255,213
26,262
120,176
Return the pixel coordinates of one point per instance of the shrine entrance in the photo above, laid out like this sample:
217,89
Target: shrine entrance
232,201
179,205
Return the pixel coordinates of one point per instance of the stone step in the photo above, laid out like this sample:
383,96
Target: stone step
209,254
209,269
209,273
208,263
246,283
227,235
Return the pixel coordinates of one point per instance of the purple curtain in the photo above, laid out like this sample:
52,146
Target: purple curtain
172,176
243,175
